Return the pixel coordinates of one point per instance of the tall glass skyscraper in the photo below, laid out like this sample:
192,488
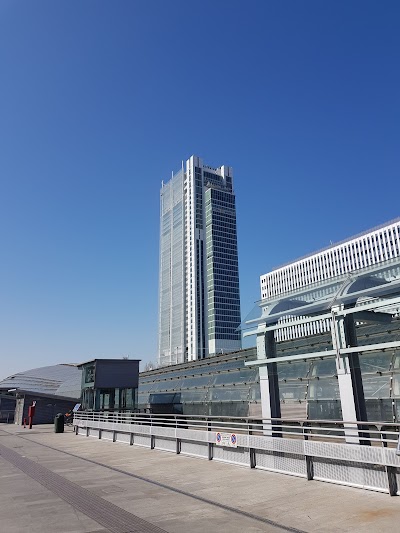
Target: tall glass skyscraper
199,303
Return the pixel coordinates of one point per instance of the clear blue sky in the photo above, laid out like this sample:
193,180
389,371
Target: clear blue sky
101,100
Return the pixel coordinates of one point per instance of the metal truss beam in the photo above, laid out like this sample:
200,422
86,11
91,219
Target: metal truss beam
388,302
327,353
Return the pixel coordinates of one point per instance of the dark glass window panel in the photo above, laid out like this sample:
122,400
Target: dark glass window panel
166,398
324,410
378,410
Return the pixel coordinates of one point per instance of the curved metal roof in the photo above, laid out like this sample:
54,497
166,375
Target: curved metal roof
60,380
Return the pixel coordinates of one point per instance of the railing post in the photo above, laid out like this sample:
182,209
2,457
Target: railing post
309,459
178,440
252,451
391,471
392,480
210,444
152,439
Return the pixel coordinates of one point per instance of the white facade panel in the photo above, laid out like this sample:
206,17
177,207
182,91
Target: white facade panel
369,248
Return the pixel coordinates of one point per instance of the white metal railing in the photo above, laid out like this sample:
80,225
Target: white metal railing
361,454
384,434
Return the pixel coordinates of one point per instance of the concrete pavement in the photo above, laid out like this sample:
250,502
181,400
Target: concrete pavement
71,484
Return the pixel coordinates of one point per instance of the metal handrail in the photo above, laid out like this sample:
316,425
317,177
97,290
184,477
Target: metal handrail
241,418
384,433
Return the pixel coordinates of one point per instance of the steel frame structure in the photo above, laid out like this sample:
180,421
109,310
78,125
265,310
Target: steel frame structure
369,295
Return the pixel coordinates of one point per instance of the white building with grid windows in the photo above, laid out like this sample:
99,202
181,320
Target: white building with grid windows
199,303
368,248
354,254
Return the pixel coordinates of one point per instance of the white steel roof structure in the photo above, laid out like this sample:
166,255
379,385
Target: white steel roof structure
339,305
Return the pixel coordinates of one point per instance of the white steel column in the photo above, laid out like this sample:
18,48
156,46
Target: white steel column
346,381
269,387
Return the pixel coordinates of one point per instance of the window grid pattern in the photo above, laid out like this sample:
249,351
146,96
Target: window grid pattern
171,283
356,253
222,269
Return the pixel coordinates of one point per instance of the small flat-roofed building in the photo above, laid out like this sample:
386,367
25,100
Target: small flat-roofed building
110,384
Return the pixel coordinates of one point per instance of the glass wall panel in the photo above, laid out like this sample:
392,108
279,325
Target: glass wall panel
396,407
201,381
173,384
161,386
396,360
193,395
396,386
255,393
165,398
143,399
376,386
236,409
323,389
229,394
228,378
378,410
294,370
375,362
324,410
293,390
324,367
198,409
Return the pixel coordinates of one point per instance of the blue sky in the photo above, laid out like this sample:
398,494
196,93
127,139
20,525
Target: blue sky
101,100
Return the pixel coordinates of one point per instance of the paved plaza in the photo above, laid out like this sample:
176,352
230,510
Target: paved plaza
71,484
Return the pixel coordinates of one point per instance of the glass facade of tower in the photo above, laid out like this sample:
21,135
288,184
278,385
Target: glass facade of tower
172,274
222,268
199,305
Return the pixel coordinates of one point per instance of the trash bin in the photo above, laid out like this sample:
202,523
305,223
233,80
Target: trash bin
59,423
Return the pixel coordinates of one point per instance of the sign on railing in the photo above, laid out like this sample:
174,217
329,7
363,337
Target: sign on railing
226,439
